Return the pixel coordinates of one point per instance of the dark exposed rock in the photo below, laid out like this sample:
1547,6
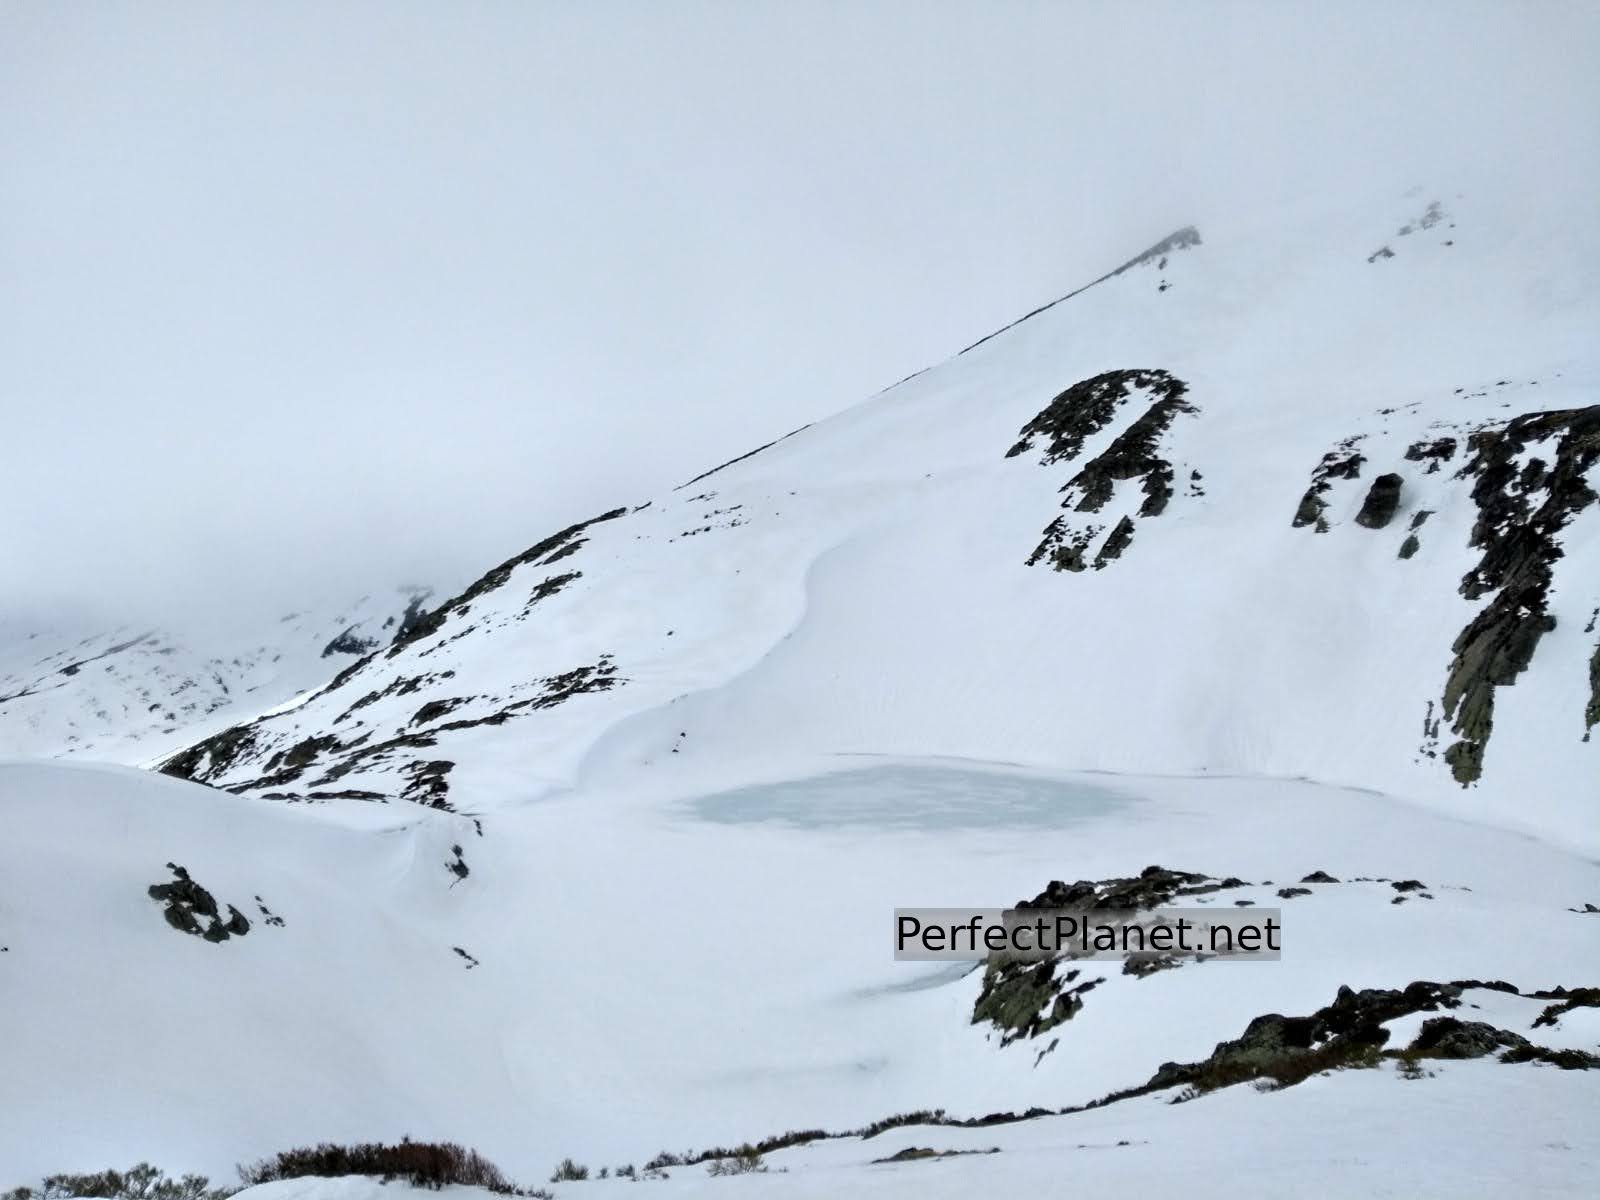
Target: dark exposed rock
414,613
1080,412
212,756
1289,893
1449,1037
560,543
1583,997
1319,877
1342,462
1023,999
1520,513
1346,1033
347,642
185,902
1434,453
1118,540
1591,713
434,709
428,785
1408,885
1383,499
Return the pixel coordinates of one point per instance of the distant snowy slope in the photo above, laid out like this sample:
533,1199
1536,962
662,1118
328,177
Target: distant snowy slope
1305,498
134,694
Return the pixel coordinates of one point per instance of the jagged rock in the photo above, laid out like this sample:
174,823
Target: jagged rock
346,642
1434,453
1383,499
185,902
1083,410
1023,999
1319,877
1118,540
1591,714
1521,510
1448,1037
1342,462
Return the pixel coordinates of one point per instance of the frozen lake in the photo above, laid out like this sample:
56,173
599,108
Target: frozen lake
921,797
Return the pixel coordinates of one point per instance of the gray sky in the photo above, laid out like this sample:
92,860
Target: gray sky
302,298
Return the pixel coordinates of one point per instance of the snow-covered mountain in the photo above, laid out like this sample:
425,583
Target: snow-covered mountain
133,694
1313,501
1262,571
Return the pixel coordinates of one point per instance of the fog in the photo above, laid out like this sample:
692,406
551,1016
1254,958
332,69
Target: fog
307,299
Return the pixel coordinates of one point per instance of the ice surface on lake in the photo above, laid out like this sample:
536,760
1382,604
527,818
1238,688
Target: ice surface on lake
914,797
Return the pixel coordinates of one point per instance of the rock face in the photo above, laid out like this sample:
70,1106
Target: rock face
1342,462
1528,484
1024,999
1079,413
1383,498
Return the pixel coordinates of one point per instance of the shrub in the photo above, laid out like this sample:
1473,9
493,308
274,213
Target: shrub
141,1182
746,1160
568,1171
423,1164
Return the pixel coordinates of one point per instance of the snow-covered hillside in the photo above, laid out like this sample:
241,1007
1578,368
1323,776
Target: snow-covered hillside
1268,501
1262,572
135,694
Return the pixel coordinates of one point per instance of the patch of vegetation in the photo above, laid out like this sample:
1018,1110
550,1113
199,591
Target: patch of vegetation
746,1160
568,1171
1566,1001
919,1153
141,1182
421,1164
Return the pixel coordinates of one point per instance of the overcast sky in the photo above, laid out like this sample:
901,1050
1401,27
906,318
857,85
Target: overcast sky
301,299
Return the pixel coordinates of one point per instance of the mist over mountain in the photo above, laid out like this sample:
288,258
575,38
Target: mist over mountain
542,528
291,310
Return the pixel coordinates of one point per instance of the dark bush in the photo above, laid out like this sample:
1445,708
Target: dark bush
142,1182
424,1164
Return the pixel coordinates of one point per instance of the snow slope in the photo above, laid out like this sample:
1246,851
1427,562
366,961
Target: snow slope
598,858
648,968
137,694
865,585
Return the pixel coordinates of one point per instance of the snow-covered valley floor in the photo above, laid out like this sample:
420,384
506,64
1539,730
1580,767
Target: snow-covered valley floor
672,963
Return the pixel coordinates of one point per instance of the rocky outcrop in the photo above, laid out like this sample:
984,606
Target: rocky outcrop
348,641
1528,484
1088,408
1024,999
1342,462
557,546
185,904
1383,499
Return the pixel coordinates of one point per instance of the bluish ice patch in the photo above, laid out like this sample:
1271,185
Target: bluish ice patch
913,797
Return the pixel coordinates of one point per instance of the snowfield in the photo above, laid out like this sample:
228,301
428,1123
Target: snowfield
597,859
